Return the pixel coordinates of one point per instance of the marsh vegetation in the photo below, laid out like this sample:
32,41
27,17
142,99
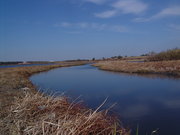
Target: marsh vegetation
25,111
159,67
171,54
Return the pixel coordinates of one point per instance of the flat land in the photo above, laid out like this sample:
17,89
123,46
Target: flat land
13,80
25,111
171,68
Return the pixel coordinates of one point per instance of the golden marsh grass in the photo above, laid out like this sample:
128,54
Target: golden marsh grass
160,67
24,111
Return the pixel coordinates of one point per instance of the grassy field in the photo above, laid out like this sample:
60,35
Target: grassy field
171,68
25,111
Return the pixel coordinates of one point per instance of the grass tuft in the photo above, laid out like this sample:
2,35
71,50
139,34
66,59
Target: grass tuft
36,114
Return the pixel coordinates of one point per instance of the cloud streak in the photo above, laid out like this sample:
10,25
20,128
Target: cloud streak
124,7
106,14
130,6
93,26
96,1
167,12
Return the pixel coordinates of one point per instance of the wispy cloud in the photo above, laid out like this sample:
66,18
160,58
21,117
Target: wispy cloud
171,11
124,7
167,12
94,26
130,6
106,14
96,1
64,24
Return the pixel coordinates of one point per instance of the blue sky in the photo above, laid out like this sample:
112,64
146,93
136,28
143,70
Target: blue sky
73,29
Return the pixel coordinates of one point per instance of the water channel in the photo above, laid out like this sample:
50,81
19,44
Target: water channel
150,101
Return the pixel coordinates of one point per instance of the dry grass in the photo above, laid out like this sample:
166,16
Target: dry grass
13,79
162,67
23,111
44,115
172,54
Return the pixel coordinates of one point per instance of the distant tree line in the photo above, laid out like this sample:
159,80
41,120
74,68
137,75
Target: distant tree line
117,57
38,62
76,60
11,62
149,54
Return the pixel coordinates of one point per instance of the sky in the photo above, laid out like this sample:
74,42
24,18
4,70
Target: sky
84,29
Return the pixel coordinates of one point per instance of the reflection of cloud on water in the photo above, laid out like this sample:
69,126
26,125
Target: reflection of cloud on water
136,111
145,75
171,103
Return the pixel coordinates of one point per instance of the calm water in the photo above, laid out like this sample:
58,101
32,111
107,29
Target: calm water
152,102
25,65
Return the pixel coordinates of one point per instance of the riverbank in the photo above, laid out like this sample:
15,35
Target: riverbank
25,111
171,68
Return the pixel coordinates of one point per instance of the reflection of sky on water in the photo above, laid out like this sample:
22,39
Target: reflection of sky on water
151,76
137,98
24,65
136,111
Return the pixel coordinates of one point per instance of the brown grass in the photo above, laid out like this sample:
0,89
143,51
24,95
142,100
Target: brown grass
13,79
171,54
23,111
163,67
44,115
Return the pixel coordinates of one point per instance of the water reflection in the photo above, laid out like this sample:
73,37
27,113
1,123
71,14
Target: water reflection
151,76
24,65
151,101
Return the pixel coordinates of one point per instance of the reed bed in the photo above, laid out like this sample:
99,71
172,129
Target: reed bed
160,67
37,114
171,54
24,111
13,79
